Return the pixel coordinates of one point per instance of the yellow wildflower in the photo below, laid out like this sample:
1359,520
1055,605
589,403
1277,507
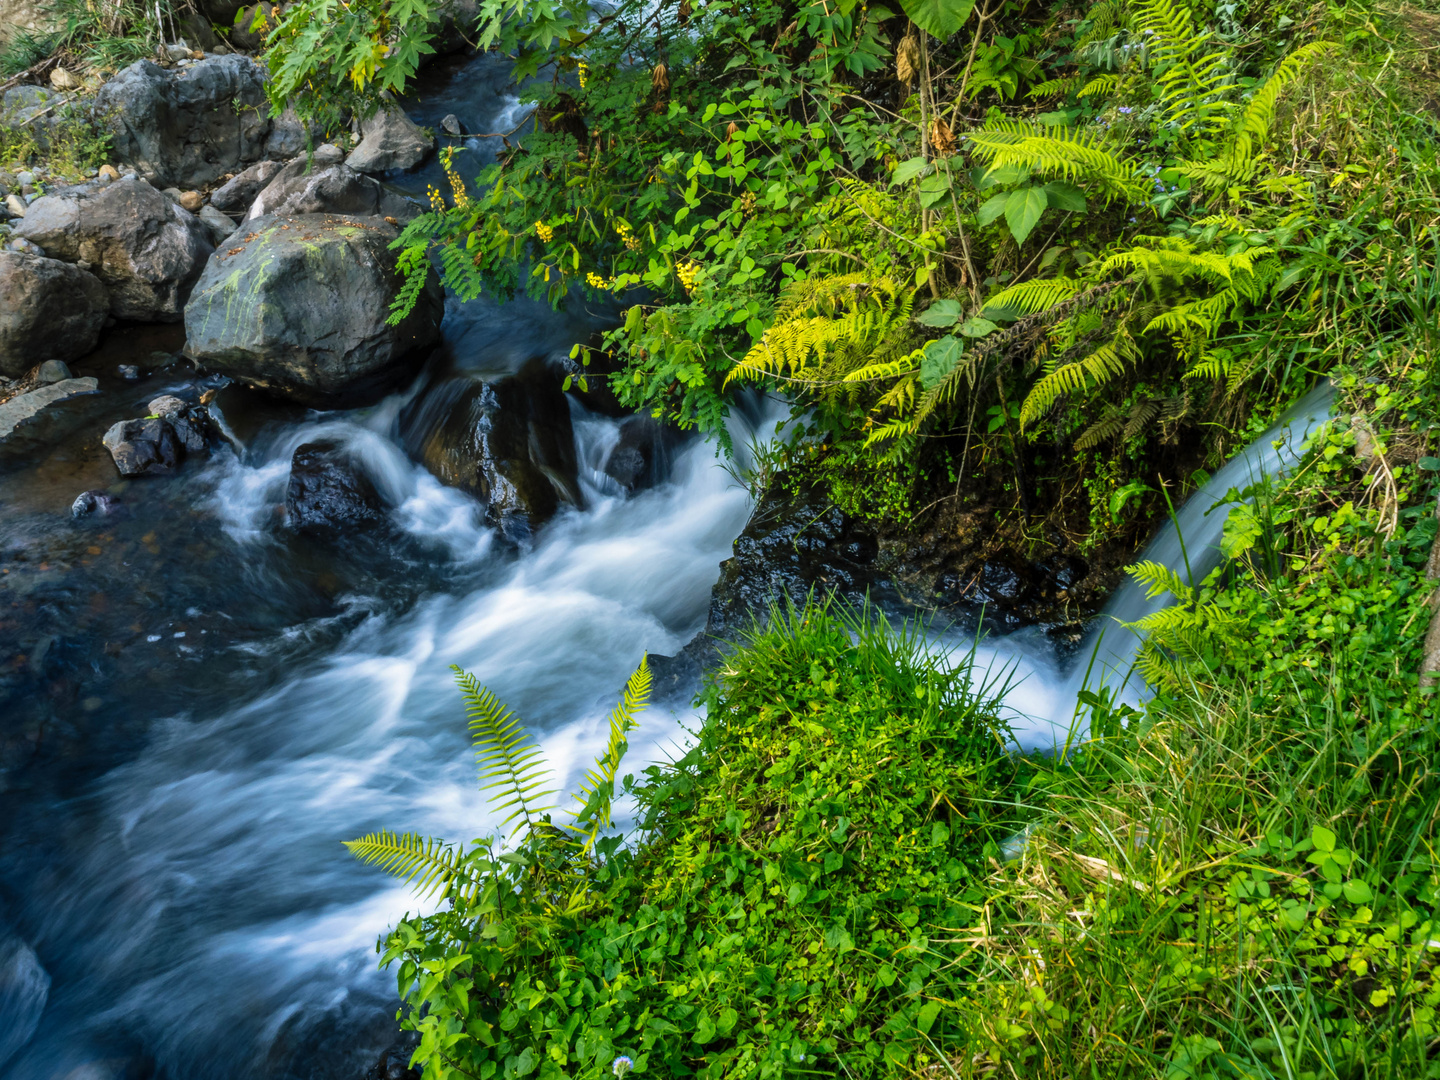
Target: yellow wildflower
545,232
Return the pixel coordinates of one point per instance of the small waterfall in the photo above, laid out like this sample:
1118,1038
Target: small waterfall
1044,700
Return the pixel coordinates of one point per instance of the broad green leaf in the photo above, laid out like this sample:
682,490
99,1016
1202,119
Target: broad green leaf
993,208
977,327
938,17
1065,196
941,313
1001,174
1022,211
1322,838
928,1012
704,1029
908,170
939,360
1357,892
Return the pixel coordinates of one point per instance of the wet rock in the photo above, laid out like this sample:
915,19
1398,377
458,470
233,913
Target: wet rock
240,190
188,127
147,251
192,425
389,140
641,457
451,124
94,504
42,415
298,306
49,308
144,447
220,226
130,372
508,441
53,371
327,492
332,189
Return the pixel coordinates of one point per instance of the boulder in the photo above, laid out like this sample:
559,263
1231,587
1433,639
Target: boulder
298,306
289,135
328,492
39,110
145,249
333,189
144,447
41,415
219,226
641,457
240,190
192,425
49,310
188,126
507,440
389,140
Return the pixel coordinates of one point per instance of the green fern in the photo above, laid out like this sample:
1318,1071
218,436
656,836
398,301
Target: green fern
1073,154
512,766
410,856
1190,81
597,789
1101,366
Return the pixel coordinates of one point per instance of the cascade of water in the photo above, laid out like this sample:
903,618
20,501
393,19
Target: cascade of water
1043,705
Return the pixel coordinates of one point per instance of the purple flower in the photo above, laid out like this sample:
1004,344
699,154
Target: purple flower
1125,109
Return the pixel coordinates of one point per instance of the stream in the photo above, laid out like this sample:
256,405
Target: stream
197,706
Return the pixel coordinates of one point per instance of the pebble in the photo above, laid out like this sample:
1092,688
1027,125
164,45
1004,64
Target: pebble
15,205
450,125
93,502
24,178
192,201
109,172
129,371
64,80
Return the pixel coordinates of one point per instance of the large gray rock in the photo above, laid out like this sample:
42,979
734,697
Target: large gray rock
147,251
298,307
38,110
508,441
240,190
334,189
49,310
188,126
389,140
289,136
41,415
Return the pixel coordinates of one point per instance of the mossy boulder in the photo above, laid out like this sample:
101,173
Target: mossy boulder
297,306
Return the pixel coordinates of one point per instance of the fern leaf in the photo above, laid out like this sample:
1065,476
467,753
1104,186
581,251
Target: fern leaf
1100,85
1035,295
1259,114
1158,579
1080,155
597,790
1106,363
511,764
410,856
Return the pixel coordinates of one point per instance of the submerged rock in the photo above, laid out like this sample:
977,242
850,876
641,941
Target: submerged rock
188,126
94,504
298,307
147,250
327,491
641,457
48,310
506,440
42,415
328,189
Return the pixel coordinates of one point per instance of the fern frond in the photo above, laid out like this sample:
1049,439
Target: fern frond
410,856
1051,87
888,369
1190,82
1075,154
1036,294
511,764
1101,84
1259,114
1158,579
1106,363
597,790
892,430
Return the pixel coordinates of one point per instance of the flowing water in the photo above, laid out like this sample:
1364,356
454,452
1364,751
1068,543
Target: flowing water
197,706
